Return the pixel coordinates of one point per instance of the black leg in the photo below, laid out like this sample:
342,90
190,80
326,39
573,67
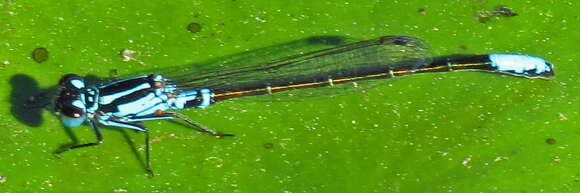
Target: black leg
199,127
171,115
134,126
97,134
147,155
137,127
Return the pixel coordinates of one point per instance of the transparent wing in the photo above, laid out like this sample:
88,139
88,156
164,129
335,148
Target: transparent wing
319,59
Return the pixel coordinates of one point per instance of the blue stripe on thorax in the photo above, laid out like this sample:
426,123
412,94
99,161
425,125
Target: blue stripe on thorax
142,96
108,99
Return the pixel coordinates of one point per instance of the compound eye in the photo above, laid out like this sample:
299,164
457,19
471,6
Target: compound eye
72,114
71,111
72,80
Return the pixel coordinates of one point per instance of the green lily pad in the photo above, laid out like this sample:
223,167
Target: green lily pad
436,132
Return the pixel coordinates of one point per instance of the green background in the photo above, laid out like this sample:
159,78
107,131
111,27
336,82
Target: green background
438,132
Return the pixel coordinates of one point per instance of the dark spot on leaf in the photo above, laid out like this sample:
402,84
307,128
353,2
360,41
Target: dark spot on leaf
484,16
422,11
114,73
268,145
40,54
550,141
504,11
194,27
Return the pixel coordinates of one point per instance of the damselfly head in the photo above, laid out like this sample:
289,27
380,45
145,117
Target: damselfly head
70,103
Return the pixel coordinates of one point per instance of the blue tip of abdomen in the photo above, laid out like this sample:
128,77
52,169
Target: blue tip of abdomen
522,65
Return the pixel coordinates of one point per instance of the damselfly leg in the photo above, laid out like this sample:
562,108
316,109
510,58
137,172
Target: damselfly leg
97,134
134,126
197,125
135,123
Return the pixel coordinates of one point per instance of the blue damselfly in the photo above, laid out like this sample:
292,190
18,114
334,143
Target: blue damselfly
128,102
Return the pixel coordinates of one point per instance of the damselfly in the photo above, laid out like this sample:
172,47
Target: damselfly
128,102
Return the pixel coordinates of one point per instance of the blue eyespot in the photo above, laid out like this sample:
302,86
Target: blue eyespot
72,121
